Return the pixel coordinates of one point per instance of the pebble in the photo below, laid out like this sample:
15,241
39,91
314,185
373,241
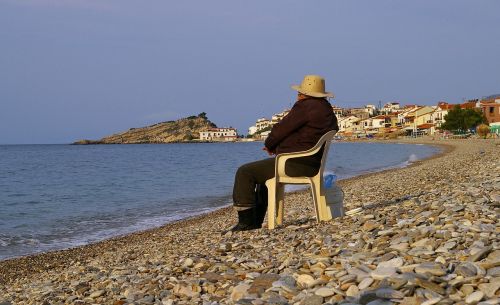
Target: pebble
365,283
489,289
431,268
97,294
395,263
188,262
305,280
431,301
262,283
493,272
239,291
430,285
474,297
370,226
312,300
353,290
387,293
466,270
324,292
225,247
383,272
482,253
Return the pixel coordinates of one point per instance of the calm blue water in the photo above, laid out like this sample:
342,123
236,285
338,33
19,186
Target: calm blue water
59,196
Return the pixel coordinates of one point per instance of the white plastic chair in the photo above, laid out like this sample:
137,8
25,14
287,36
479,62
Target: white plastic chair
276,185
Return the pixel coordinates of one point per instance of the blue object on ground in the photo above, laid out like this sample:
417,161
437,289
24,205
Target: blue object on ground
330,180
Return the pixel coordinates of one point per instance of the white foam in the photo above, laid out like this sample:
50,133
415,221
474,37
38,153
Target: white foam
413,158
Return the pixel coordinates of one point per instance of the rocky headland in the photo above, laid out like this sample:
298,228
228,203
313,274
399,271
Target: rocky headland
182,130
426,234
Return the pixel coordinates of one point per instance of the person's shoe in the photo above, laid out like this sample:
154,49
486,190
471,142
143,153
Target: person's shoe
240,227
260,204
246,221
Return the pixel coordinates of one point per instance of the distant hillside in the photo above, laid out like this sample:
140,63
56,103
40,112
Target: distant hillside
494,96
182,130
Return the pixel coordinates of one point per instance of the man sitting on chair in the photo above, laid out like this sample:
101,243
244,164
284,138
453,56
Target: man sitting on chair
308,120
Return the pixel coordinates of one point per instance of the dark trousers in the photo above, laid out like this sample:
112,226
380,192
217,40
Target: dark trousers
249,184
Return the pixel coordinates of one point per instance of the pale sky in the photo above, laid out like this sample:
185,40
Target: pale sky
74,69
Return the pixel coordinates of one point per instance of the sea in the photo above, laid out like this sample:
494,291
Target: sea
60,196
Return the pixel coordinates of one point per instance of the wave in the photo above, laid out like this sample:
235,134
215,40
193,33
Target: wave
12,246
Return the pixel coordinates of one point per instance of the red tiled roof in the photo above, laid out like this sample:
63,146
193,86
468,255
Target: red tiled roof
425,126
445,105
468,105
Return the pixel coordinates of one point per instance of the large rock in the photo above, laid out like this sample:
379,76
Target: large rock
182,130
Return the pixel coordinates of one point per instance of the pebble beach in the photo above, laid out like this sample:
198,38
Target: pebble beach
426,234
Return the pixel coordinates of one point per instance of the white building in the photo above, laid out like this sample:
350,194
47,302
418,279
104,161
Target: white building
441,111
266,124
362,113
403,115
265,134
339,112
371,109
381,121
390,107
252,130
346,123
276,118
261,124
219,134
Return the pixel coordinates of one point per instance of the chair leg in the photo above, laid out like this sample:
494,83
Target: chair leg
326,214
322,205
315,195
280,201
271,203
319,201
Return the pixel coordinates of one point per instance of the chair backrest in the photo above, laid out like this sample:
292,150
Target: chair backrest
325,141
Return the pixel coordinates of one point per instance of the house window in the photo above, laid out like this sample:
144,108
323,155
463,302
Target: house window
492,109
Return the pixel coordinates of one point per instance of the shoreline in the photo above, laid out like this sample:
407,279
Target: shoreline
421,227
84,251
80,252
443,150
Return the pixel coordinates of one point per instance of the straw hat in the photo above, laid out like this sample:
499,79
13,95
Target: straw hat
313,85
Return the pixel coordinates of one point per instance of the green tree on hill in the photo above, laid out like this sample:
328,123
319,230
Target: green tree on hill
459,119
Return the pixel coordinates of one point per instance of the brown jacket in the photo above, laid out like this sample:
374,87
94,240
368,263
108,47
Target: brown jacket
301,129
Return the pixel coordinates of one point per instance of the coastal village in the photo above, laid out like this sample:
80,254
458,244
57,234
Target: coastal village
390,120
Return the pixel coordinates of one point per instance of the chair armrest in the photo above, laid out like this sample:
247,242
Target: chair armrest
282,158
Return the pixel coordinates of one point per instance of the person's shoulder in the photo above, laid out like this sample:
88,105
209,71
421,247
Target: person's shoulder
315,101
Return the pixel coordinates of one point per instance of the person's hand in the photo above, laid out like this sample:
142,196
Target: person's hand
268,151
